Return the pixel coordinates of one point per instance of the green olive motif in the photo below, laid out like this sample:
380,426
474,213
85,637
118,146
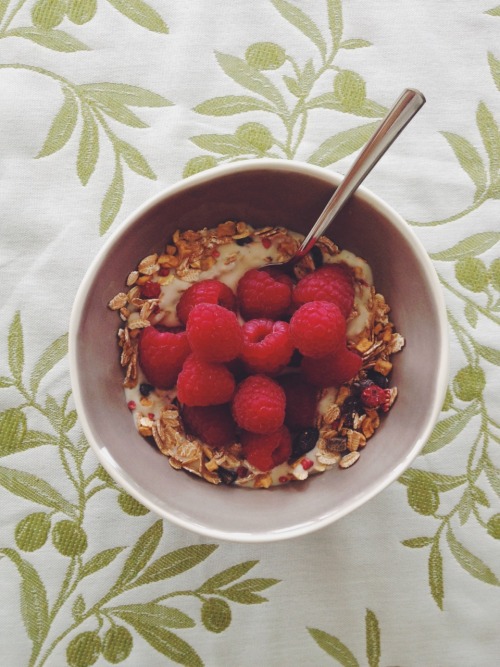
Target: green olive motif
117,644
48,14
350,88
265,55
469,383
423,499
255,134
81,11
84,649
131,506
472,273
197,164
493,526
216,615
31,532
69,538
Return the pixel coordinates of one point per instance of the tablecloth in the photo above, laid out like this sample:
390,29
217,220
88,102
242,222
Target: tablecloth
102,104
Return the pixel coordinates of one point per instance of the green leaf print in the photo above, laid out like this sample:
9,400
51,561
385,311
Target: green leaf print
468,247
124,94
418,542
302,22
436,581
355,44
250,78
342,144
175,563
134,159
113,199
227,576
56,40
153,614
336,22
245,592
471,563
488,353
34,604
88,150
16,347
447,429
490,134
55,352
62,126
3,8
141,13
33,488
167,643
494,12
334,647
141,553
230,105
494,64
469,160
372,639
100,561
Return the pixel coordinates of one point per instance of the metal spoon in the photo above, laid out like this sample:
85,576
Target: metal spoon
391,126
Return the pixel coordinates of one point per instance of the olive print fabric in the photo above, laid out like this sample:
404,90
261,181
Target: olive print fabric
102,104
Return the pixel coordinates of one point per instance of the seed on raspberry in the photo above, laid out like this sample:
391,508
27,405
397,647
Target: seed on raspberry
213,424
301,401
267,346
373,396
259,404
204,383
263,294
265,451
318,328
205,291
214,332
332,282
161,355
333,370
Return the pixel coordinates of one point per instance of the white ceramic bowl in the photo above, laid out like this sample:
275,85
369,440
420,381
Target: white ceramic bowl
261,192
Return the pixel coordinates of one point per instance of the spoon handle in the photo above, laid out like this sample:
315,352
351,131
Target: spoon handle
391,126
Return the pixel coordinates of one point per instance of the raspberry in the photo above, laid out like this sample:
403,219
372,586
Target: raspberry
204,383
259,405
214,332
318,328
213,424
332,282
161,355
266,294
301,401
373,396
265,451
333,370
150,290
205,291
267,346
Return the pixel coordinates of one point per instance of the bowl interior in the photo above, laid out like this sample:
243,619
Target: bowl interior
286,195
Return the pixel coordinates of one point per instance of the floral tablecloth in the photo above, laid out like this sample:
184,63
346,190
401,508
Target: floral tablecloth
102,104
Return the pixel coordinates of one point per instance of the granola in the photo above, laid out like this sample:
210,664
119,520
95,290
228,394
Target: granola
343,423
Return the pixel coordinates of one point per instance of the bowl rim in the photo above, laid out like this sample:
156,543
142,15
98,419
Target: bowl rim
295,166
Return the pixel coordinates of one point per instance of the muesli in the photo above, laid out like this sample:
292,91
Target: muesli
314,424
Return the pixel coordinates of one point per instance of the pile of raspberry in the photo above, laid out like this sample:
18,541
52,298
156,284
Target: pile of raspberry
256,382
